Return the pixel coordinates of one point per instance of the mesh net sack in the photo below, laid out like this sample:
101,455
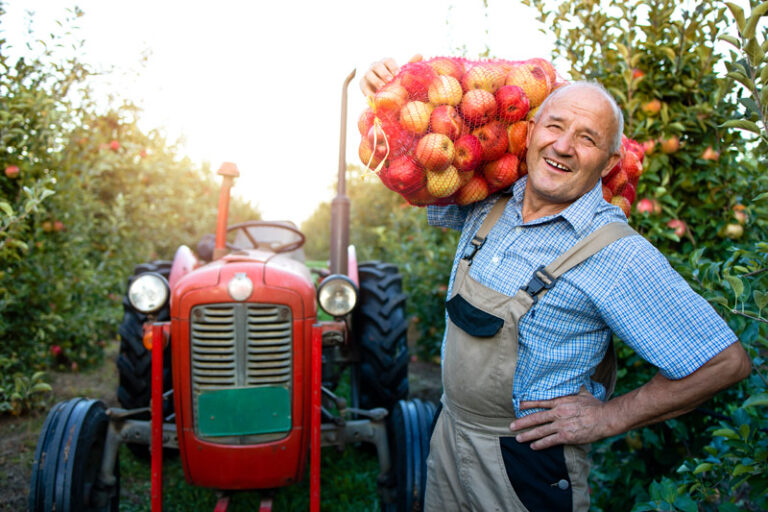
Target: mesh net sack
452,131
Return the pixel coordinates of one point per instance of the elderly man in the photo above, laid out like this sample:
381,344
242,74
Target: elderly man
544,272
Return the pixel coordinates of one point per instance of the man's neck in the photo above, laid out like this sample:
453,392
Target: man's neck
535,207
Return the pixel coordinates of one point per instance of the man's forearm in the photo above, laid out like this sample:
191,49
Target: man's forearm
581,418
662,398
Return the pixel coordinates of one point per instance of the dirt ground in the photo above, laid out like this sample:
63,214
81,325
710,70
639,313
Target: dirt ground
18,436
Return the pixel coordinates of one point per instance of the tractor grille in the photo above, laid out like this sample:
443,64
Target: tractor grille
236,345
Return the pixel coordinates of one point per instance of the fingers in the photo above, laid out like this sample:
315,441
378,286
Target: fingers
380,73
416,58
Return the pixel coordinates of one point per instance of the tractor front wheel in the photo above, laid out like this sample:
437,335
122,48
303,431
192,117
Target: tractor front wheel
380,326
68,461
408,432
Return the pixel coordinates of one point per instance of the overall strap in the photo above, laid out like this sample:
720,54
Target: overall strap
544,277
490,220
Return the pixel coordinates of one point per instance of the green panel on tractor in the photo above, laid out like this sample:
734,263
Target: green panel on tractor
244,411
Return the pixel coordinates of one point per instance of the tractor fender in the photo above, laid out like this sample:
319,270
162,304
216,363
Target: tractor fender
184,262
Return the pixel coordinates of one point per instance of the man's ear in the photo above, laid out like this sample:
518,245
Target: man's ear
612,161
531,123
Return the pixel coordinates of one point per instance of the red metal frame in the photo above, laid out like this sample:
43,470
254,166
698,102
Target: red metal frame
158,341
314,443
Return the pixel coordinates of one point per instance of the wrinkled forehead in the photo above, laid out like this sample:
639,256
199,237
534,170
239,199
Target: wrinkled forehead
584,104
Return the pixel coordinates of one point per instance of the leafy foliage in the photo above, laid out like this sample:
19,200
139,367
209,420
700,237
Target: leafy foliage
93,196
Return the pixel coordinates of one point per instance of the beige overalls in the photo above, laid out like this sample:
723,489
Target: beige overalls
474,461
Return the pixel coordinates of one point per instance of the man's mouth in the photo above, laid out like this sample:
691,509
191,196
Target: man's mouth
557,165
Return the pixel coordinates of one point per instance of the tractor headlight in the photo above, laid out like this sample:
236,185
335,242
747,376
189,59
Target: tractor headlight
337,295
148,292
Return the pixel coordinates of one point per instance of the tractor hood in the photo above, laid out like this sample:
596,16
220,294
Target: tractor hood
265,269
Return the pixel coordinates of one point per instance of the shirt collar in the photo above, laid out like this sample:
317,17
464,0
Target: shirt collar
579,214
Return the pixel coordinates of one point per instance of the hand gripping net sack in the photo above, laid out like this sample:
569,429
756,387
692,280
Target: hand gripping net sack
452,131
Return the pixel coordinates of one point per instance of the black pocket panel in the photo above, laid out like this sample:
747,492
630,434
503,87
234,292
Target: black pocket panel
539,477
473,321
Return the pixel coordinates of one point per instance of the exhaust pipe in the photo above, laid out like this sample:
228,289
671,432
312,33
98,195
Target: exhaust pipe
340,203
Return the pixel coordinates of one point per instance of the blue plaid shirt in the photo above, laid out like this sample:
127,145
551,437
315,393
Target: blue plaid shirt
628,288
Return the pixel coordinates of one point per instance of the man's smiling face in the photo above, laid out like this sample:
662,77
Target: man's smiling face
569,146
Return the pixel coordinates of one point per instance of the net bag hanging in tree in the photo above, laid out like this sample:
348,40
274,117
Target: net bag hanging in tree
453,131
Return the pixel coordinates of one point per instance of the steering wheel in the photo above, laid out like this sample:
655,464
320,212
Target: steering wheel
272,246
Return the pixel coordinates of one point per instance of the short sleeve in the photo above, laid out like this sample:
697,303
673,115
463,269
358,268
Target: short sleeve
654,311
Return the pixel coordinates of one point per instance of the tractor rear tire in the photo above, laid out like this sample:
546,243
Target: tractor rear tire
134,363
409,433
68,460
380,325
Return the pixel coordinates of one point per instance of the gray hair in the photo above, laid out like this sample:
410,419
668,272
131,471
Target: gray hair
595,86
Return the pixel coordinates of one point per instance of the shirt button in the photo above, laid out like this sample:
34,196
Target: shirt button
563,484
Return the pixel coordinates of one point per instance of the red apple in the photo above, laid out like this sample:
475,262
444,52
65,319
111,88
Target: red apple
55,350
420,197
445,119
522,169
631,166
670,145
501,173
513,103
365,121
607,194
651,108
622,203
617,182
629,192
58,225
114,145
478,107
532,79
548,68
416,77
475,190
390,97
469,152
443,183
414,116
637,73
739,214
493,138
678,226
404,175
516,137
445,90
645,206
434,151
368,156
485,76
447,66
649,146
12,171
710,154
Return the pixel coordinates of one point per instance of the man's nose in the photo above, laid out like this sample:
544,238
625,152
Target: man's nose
564,143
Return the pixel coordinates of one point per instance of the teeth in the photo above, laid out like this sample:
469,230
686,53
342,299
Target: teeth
557,165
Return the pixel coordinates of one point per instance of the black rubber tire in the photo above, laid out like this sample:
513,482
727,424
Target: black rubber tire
379,329
134,363
68,459
408,435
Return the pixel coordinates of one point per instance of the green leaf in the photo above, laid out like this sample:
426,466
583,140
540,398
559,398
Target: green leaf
755,400
760,298
686,504
6,207
742,79
730,39
754,51
669,52
741,124
736,285
740,469
704,466
41,387
738,14
727,433
751,105
754,18
762,196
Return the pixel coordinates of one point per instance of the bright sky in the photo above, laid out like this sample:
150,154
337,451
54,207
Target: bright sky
259,84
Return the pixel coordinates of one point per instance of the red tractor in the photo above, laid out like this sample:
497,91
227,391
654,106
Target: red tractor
227,361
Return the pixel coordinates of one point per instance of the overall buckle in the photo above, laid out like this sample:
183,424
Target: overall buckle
470,250
536,284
